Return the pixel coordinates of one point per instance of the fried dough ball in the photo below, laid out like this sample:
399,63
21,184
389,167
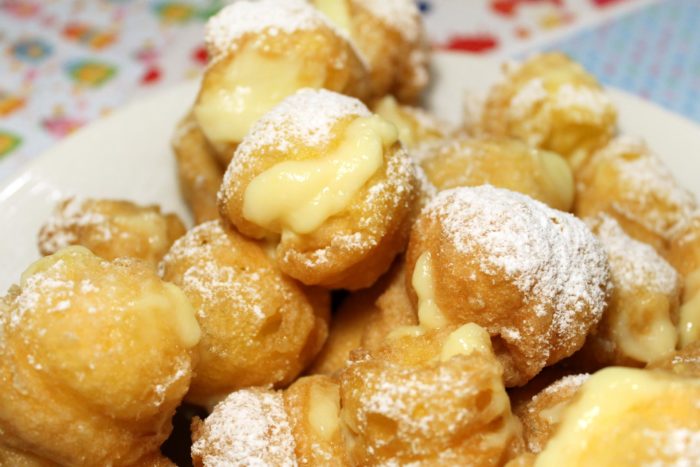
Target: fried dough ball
684,362
504,163
630,183
313,406
684,254
198,169
12,458
551,102
541,414
260,426
640,324
249,427
431,397
364,319
391,38
331,182
262,52
535,278
416,126
111,229
625,416
95,358
259,327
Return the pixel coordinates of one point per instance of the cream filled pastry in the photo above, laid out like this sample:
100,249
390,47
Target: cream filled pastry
259,327
535,278
95,357
551,102
329,183
390,37
262,52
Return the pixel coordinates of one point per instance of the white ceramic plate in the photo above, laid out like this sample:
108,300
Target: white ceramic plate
127,154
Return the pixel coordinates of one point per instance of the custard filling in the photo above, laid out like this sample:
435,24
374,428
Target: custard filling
429,314
299,196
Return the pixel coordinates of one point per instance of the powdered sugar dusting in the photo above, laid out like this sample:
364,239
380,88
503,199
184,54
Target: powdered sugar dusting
590,99
551,256
570,382
659,201
400,15
61,229
250,427
634,265
306,117
270,16
528,97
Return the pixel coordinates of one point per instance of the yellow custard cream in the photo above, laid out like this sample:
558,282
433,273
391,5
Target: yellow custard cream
624,416
429,314
248,87
325,409
338,12
299,196
466,340
689,326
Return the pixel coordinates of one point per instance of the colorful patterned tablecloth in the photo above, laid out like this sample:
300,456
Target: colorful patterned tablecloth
65,63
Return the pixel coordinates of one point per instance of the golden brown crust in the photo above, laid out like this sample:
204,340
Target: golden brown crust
684,362
541,414
630,183
364,319
484,245
401,404
313,406
111,229
95,359
259,326
323,58
352,248
501,162
552,103
199,172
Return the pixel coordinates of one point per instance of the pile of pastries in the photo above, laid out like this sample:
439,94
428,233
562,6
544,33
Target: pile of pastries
521,289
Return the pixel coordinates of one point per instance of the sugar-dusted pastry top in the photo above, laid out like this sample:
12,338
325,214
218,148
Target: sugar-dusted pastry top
250,427
400,15
513,235
270,16
636,264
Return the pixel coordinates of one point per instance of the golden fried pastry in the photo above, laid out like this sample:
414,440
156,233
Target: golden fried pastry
683,362
13,458
249,427
684,254
535,278
391,38
541,414
625,416
630,183
640,324
262,52
331,182
552,103
364,319
501,162
198,170
429,397
259,327
313,406
95,358
111,229
416,126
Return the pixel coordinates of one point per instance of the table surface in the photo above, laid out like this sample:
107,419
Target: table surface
67,62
